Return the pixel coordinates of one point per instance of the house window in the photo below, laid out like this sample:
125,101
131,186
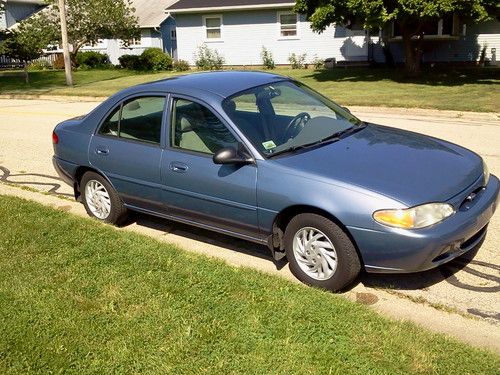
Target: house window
448,26
213,27
173,34
288,24
134,41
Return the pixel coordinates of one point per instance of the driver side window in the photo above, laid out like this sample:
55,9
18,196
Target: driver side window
196,128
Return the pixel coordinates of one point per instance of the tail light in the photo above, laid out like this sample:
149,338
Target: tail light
55,138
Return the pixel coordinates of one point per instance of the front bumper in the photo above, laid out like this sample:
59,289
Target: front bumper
392,250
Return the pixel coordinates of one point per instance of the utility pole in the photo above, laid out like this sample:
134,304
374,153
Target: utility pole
64,34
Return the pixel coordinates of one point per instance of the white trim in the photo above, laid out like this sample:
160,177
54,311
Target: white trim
278,22
230,7
205,29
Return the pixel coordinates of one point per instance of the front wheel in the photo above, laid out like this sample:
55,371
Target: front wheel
320,253
101,200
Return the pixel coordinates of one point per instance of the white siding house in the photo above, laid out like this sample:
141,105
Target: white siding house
155,25
239,32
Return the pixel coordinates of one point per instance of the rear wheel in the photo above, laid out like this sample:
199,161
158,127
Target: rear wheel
320,253
101,200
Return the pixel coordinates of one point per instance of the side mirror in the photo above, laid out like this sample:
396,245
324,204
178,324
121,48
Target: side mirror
346,109
229,155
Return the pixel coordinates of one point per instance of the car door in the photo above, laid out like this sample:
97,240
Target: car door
197,189
126,149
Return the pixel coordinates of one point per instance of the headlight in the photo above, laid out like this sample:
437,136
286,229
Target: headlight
486,173
415,217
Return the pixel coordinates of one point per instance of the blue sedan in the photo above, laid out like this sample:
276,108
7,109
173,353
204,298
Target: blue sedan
265,158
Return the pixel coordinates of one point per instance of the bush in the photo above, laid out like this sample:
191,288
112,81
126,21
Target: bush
207,59
132,62
40,65
155,59
318,63
92,60
267,58
181,65
297,61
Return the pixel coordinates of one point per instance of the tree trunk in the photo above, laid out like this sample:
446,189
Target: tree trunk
26,74
413,56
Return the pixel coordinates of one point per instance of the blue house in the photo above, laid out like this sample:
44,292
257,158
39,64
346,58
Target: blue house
238,29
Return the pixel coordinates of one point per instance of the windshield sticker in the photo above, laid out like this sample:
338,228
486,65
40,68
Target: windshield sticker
269,145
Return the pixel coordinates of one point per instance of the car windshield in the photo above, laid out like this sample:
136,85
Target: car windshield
285,116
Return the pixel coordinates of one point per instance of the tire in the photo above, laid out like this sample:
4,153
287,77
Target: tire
116,211
342,264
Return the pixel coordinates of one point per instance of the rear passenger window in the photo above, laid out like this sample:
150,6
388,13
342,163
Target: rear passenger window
110,126
138,119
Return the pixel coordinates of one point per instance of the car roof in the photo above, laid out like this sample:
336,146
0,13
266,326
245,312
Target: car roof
223,83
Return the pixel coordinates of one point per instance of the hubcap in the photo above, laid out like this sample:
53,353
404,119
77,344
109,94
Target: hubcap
315,253
98,200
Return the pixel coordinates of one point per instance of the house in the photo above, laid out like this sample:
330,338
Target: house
157,30
238,29
447,41
17,10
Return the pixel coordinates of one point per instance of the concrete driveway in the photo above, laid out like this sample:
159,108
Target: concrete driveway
467,290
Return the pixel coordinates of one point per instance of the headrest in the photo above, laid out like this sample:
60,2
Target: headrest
185,125
229,106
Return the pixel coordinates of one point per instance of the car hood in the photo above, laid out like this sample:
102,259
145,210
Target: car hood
409,167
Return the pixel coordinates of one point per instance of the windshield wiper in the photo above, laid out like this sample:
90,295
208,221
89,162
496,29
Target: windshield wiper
330,139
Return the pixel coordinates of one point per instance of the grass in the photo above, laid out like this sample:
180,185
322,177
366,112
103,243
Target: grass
465,89
80,297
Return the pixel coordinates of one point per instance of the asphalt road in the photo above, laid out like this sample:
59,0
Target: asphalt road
469,288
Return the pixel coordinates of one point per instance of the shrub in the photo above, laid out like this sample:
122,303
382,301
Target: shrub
297,61
92,60
155,59
207,59
267,58
318,63
40,65
181,65
132,62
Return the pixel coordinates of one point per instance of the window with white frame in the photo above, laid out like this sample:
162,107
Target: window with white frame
134,41
288,24
213,27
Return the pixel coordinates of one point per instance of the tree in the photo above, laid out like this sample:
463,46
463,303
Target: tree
24,43
88,21
412,17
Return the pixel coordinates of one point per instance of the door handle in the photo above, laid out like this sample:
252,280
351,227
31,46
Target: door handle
178,167
101,151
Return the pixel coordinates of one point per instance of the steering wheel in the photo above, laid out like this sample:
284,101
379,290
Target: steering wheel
296,125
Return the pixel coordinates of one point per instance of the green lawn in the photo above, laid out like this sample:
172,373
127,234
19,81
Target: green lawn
466,89
80,297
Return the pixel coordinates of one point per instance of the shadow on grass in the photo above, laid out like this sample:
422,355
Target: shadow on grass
205,236
433,77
